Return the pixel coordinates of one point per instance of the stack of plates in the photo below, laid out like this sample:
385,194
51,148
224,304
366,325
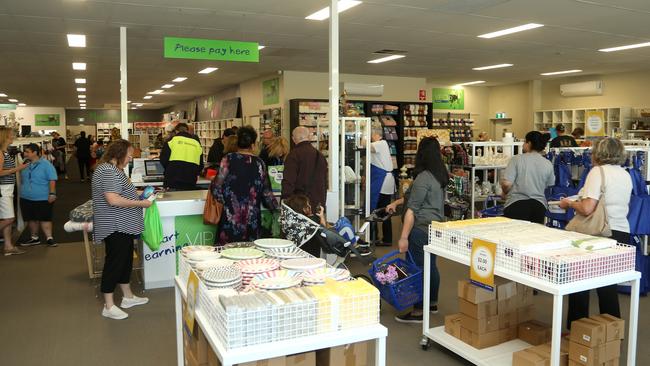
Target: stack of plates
197,248
273,243
221,262
239,244
276,280
252,267
242,253
286,253
197,256
222,277
303,264
318,276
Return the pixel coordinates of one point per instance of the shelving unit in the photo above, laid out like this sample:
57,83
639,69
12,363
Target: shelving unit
616,119
386,115
313,114
638,127
213,129
413,117
144,133
460,125
104,130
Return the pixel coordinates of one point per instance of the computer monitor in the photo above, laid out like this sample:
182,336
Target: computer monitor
153,168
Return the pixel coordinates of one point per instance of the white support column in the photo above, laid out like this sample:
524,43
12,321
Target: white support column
124,108
334,105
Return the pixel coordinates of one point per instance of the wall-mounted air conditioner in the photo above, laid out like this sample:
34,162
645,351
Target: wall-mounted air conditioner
370,90
582,89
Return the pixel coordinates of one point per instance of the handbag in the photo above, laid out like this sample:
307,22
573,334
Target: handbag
213,209
595,224
639,202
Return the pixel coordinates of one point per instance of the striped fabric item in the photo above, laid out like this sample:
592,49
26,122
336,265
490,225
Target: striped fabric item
9,163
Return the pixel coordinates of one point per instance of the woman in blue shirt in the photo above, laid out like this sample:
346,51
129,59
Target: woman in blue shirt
37,195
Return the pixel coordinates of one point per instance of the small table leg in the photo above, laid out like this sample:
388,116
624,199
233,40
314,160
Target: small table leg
634,322
557,330
426,298
380,351
179,327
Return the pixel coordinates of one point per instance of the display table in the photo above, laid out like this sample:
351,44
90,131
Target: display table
230,357
502,354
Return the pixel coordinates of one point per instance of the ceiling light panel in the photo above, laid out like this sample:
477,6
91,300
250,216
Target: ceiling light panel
499,66
80,81
560,72
76,40
623,48
179,79
504,32
147,97
81,89
167,86
139,105
22,104
78,66
208,70
3,95
158,91
13,100
324,13
385,59
82,108
81,96
471,83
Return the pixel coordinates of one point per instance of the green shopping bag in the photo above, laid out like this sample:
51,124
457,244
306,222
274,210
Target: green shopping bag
153,231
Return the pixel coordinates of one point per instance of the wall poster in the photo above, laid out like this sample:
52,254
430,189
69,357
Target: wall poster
47,119
271,91
447,98
595,124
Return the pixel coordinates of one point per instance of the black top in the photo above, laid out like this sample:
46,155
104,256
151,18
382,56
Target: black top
83,147
564,141
216,152
180,175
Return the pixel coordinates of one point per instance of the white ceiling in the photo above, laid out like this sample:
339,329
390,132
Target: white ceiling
439,36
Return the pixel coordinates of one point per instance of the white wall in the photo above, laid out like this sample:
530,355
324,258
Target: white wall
25,116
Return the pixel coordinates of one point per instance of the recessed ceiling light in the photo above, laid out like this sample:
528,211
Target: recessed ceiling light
80,81
387,58
504,32
76,40
147,97
259,47
179,79
82,108
81,96
78,66
167,86
560,72
208,70
81,89
128,101
492,67
3,95
22,104
628,47
324,13
471,83
13,100
139,105
134,108
157,91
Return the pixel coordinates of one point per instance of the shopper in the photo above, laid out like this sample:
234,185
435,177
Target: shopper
607,155
37,195
230,145
115,134
182,157
58,151
82,150
578,133
7,183
96,152
267,137
242,186
424,202
382,182
216,150
299,203
305,170
278,149
525,179
563,140
118,221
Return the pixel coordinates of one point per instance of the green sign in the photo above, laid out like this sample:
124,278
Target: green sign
210,49
192,231
8,106
445,98
276,173
271,91
47,119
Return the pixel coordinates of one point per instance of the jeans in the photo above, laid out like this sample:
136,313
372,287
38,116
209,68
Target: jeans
417,240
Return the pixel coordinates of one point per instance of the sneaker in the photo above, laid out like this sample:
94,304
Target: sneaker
114,313
134,301
362,244
409,318
51,243
30,242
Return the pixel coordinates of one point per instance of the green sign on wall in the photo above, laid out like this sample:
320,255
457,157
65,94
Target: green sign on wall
211,49
47,119
192,231
10,107
446,98
271,91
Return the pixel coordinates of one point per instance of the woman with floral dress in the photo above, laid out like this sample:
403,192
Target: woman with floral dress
242,186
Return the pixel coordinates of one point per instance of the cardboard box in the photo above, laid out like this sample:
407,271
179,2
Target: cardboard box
278,361
196,345
355,354
587,356
614,327
479,341
545,351
508,320
508,334
213,360
524,295
507,291
608,363
527,357
526,313
481,326
190,360
452,325
478,311
508,306
534,332
474,294
301,359
588,332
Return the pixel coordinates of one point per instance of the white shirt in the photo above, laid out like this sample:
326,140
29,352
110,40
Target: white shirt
618,190
380,157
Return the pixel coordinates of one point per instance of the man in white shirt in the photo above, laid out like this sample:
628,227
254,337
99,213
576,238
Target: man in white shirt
382,181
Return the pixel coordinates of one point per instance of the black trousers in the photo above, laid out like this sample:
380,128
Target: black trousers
607,296
84,167
529,210
119,261
386,226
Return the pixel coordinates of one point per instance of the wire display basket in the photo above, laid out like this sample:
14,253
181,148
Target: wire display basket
404,292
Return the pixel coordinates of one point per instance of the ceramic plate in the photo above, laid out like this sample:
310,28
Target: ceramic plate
286,253
277,280
221,262
242,253
273,243
259,265
222,274
319,275
202,255
303,264
197,248
240,244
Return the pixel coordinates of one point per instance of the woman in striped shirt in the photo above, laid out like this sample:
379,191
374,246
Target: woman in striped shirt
7,183
117,220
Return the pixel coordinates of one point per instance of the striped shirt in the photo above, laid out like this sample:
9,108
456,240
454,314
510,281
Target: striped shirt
9,163
108,219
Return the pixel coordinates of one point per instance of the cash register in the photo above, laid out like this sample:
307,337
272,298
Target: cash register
154,171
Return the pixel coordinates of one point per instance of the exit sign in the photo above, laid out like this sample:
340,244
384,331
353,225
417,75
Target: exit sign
501,115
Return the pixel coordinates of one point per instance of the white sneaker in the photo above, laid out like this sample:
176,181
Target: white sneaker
114,313
134,301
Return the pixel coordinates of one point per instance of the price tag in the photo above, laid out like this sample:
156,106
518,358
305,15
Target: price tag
481,269
192,290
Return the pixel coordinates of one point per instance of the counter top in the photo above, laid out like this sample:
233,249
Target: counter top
184,196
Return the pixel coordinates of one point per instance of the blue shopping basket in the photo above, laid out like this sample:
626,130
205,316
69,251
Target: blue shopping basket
405,292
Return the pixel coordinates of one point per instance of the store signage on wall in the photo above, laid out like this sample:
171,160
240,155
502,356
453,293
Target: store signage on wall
10,107
271,91
481,268
446,98
595,124
191,231
211,49
47,119
423,94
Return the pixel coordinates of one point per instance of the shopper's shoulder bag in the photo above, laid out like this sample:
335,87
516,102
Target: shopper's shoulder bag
596,223
213,209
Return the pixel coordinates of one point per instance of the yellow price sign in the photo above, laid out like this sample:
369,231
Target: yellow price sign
192,290
481,269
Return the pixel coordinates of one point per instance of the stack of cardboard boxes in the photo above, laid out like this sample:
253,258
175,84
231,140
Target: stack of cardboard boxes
596,341
488,318
540,355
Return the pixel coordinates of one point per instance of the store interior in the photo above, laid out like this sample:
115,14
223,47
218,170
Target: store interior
446,72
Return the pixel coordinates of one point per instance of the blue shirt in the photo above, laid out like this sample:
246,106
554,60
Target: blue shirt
35,180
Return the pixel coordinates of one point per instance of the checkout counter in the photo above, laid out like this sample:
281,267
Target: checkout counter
139,172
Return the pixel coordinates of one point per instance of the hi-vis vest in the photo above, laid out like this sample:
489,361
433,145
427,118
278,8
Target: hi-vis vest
185,149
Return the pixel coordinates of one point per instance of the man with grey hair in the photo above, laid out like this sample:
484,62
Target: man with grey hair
305,170
382,180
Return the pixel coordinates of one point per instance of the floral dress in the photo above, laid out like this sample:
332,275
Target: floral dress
242,185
